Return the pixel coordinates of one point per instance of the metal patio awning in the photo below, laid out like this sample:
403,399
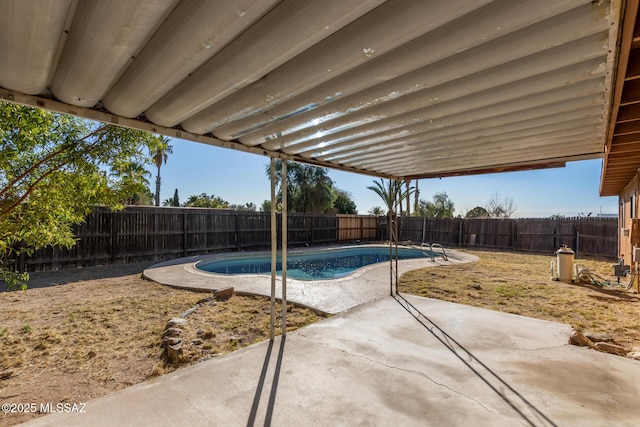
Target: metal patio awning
397,88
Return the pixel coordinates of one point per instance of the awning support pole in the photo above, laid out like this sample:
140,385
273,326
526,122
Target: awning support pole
274,246
284,248
393,236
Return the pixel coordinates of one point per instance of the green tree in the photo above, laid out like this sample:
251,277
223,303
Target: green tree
376,210
134,171
160,153
343,202
416,195
173,201
265,206
440,207
407,184
205,201
477,212
391,193
309,188
249,207
53,170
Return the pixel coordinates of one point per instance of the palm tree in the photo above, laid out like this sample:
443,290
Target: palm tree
407,184
393,196
309,188
376,210
132,173
173,201
391,193
416,195
159,157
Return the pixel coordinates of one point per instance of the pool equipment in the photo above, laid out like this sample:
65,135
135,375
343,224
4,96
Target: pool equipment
620,270
562,269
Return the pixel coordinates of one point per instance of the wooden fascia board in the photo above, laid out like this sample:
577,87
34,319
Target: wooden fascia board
624,45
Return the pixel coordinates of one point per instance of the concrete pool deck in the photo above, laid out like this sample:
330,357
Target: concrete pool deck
333,296
377,364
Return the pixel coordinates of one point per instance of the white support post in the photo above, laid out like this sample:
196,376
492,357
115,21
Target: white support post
274,246
284,248
393,237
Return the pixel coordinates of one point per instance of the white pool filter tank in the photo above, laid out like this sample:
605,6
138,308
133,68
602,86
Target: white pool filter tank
565,264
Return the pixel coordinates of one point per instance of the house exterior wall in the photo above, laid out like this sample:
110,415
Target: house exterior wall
627,213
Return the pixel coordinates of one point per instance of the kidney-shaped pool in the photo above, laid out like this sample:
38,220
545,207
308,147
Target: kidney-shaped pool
318,264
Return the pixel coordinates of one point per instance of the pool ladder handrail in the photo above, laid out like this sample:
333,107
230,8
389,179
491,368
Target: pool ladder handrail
433,246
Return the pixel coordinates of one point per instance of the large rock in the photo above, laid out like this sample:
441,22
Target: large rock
205,300
172,332
578,338
224,293
595,337
174,352
607,347
172,341
190,311
176,321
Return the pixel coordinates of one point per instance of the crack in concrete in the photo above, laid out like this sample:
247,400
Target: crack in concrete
185,395
423,375
538,348
420,374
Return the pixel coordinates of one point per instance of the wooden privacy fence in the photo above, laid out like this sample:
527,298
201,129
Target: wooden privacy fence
353,228
154,234
586,236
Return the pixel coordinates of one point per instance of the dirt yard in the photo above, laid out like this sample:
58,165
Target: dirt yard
520,284
81,340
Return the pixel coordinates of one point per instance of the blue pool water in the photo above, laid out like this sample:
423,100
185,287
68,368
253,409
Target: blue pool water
308,265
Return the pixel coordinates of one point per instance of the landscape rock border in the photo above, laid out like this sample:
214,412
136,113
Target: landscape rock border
173,334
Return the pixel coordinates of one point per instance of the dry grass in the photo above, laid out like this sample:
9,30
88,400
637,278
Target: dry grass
78,341
520,284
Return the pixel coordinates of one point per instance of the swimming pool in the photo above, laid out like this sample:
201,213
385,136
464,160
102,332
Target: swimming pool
319,264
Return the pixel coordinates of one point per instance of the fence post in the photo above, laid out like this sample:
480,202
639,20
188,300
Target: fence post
114,236
237,231
185,249
22,262
156,216
460,233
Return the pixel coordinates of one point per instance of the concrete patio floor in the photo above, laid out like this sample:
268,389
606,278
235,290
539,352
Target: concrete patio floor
377,364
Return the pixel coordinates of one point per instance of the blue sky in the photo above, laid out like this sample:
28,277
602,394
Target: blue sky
238,177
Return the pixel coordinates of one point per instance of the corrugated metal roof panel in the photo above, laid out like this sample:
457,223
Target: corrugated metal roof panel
396,89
